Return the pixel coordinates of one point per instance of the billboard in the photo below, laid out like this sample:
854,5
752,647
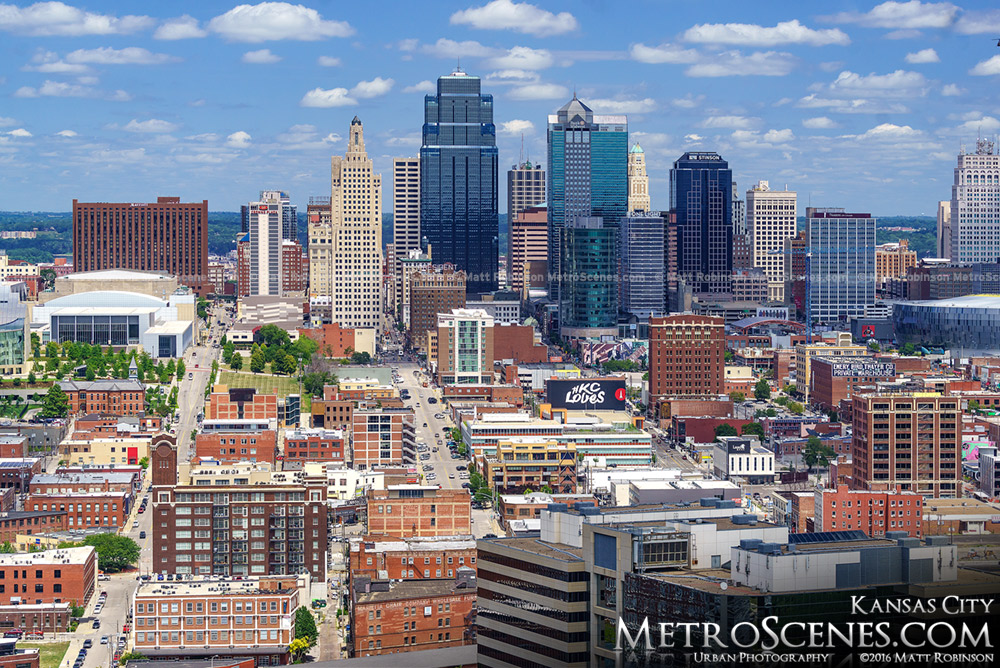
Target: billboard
866,369
778,313
582,394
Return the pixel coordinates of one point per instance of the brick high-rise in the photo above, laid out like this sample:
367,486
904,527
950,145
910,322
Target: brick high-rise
168,235
437,290
686,356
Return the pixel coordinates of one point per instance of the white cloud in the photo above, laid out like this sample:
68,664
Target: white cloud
952,90
183,27
55,89
978,22
66,133
889,132
270,21
152,126
374,88
122,156
664,53
20,132
748,34
411,140
261,57
540,91
50,63
819,123
978,124
753,139
520,17
778,136
642,106
923,56
120,96
693,138
238,139
907,15
987,68
425,86
6,121
57,18
517,127
523,58
333,97
831,65
900,83
328,61
734,63
903,34
131,55
735,122
512,76
856,105
449,48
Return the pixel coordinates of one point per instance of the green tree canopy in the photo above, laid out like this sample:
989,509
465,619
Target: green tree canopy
762,390
236,361
114,553
257,361
815,453
737,396
753,429
305,625
55,404
272,335
725,429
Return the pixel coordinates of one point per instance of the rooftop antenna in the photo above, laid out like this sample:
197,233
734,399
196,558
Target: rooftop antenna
521,161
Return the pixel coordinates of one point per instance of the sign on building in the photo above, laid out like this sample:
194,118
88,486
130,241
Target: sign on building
586,394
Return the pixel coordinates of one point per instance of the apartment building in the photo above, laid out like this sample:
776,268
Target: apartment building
238,446
51,576
240,403
419,511
527,463
875,513
383,557
382,437
85,510
686,356
314,445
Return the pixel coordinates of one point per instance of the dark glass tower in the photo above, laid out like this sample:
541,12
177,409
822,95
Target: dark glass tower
701,195
458,180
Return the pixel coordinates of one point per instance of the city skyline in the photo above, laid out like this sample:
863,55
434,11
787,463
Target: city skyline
105,105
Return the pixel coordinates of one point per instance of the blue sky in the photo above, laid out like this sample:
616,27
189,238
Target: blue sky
861,105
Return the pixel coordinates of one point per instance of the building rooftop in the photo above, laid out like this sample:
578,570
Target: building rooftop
963,507
102,385
968,301
460,542
410,589
89,477
12,440
538,547
17,462
170,327
69,555
117,275
210,586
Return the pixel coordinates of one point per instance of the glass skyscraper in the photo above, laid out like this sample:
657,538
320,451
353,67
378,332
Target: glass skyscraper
589,304
458,180
588,175
701,195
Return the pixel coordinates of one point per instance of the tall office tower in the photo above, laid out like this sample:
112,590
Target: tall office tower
458,179
288,213
641,281
770,220
168,236
975,206
588,308
529,248
908,441
796,250
405,205
266,221
944,229
356,229
686,356
842,268
701,187
588,174
638,181
525,187
742,247
434,290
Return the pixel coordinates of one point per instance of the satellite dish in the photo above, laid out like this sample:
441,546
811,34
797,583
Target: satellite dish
724,586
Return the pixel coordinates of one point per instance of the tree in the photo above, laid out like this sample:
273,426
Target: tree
361,358
313,383
144,462
48,277
7,548
275,336
257,361
737,397
762,390
546,489
305,626
728,356
753,429
284,364
816,453
907,350
32,379
203,308
795,408
114,553
181,368
130,656
55,404
790,389
973,405
874,346
725,429
298,648
236,362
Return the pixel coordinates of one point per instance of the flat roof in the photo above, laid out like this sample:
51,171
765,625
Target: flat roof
86,477
170,327
416,544
963,506
208,587
104,310
408,589
539,547
69,555
17,462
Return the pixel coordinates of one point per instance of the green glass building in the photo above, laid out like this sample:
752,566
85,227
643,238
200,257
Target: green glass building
589,304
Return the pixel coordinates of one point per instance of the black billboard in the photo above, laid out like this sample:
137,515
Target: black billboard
580,394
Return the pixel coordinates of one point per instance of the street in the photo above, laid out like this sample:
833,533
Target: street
191,395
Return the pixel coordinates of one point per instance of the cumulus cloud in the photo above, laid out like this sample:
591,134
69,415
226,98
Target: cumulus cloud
512,76
986,68
374,88
151,126
183,27
425,86
66,133
449,48
748,34
771,138
20,132
261,57
606,106
900,83
819,123
333,97
734,63
730,122
978,124
238,139
131,55
59,19
662,54
923,56
889,132
271,21
523,58
952,90
517,127
905,15
328,61
58,89
518,16
540,91
50,63
978,22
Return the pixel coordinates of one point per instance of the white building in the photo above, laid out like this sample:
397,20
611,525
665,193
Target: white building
944,229
742,459
268,221
638,180
975,205
770,216
504,307
342,483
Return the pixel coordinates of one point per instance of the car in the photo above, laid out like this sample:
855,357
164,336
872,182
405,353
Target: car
88,643
135,525
460,468
432,400
451,476
103,577
142,534
170,576
425,424
97,624
466,485
104,640
190,375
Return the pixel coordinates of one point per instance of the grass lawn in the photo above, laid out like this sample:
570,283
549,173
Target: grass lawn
265,383
50,655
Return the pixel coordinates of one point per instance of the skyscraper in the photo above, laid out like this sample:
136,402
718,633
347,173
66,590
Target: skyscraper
770,221
356,236
458,179
638,181
588,308
975,206
405,205
529,243
944,229
701,186
588,174
842,266
641,251
267,221
525,188
742,248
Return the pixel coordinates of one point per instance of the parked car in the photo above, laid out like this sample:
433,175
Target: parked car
88,643
104,640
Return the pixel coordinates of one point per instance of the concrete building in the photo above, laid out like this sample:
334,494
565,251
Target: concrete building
841,347
267,222
525,188
944,229
686,356
408,265
771,216
529,244
638,180
875,513
588,297
908,441
461,350
750,286
744,460
975,205
842,270
642,270
504,306
893,260
742,244
67,575
419,511
168,236
433,292
405,206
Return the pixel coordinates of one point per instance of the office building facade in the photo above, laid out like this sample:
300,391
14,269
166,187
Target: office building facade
588,304
944,229
701,188
770,220
169,236
433,290
686,356
405,205
529,247
638,180
975,206
842,266
261,262
525,188
458,179
460,349
642,272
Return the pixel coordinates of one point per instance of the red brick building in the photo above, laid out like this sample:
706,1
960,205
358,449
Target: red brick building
13,447
419,511
11,656
314,445
875,513
108,480
686,356
238,446
97,426
51,576
834,379
294,267
114,397
17,473
168,236
85,510
331,413
512,394
411,558
240,403
393,617
702,429
53,617
382,437
802,518
516,343
17,522
530,506
333,340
